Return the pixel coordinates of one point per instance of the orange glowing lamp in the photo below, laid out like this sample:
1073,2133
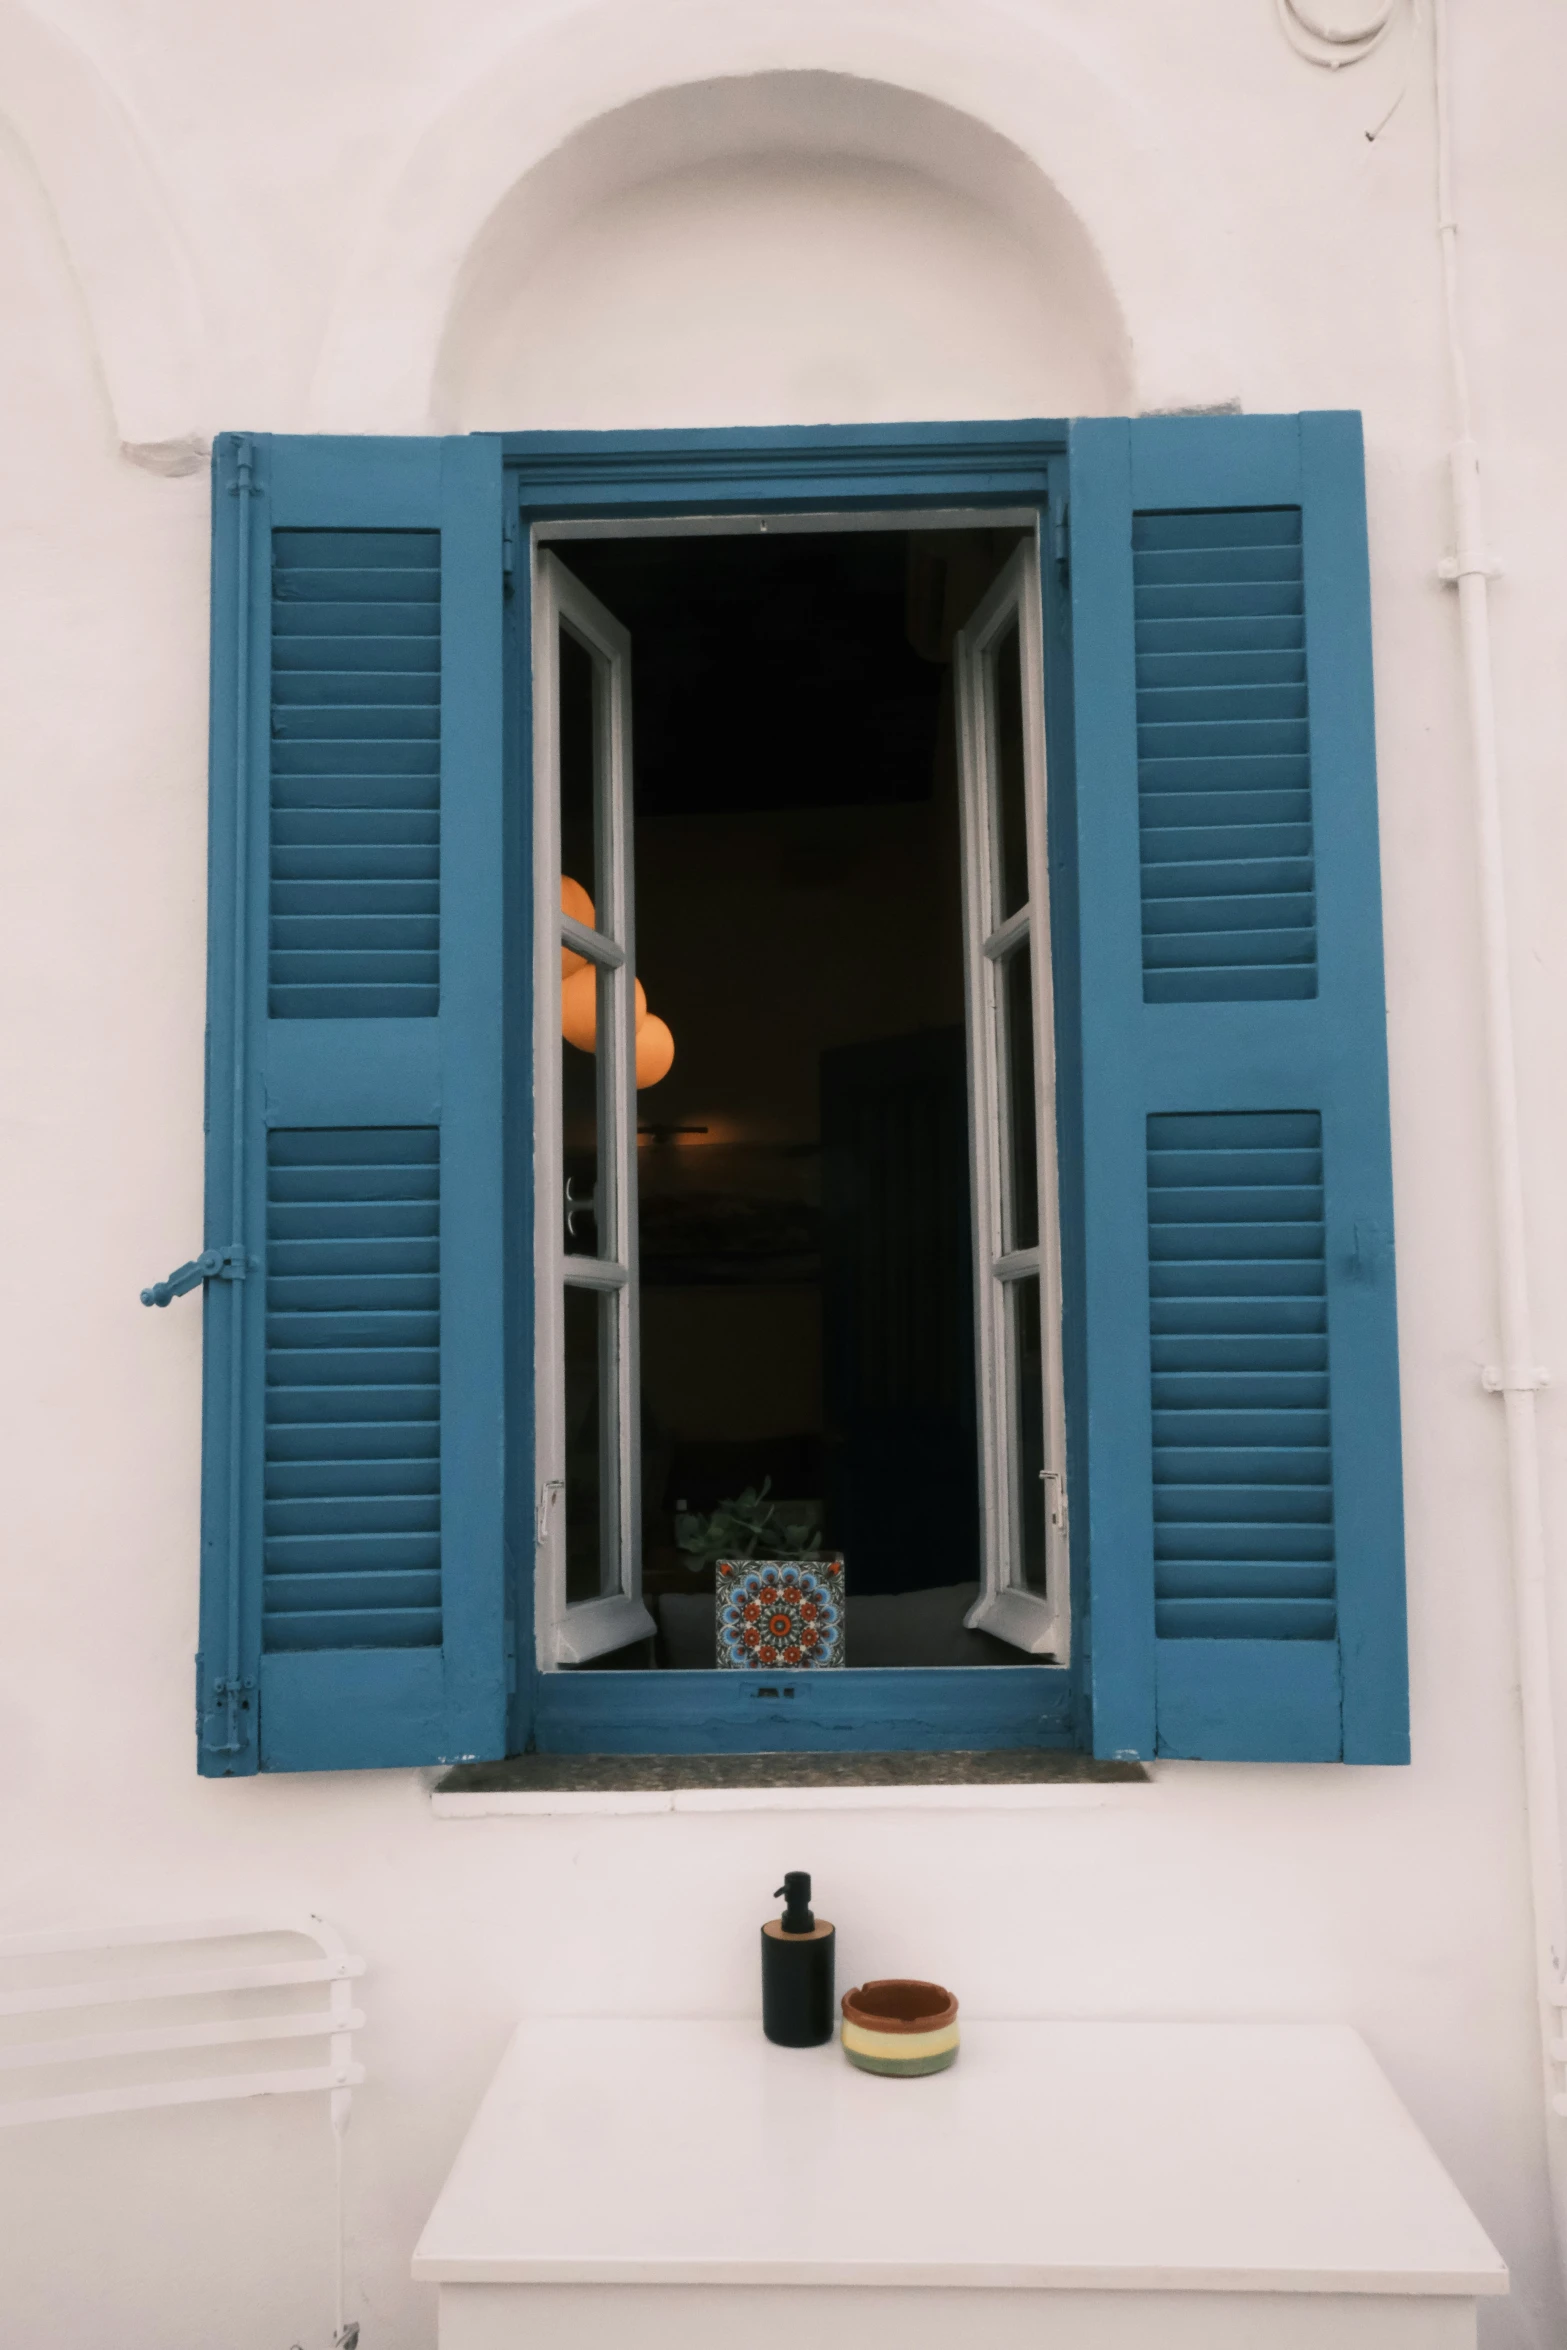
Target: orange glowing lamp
655,1050
579,1008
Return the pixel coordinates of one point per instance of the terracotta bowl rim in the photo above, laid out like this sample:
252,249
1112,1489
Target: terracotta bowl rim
942,2010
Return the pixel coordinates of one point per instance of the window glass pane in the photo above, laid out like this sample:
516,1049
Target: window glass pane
581,812
590,1429
1011,821
1017,1024
585,1129
1028,1428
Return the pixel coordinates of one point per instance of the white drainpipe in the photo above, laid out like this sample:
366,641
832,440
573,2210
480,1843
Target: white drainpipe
1518,1378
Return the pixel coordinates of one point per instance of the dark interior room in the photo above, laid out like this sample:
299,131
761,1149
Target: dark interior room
803,1168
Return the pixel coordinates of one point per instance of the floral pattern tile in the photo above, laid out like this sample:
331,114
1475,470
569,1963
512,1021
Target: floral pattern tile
780,1615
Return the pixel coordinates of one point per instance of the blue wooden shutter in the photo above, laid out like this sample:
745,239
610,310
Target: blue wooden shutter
352,1606
1242,1471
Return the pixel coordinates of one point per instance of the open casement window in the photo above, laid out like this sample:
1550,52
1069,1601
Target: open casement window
588,1571
999,663
1184,1262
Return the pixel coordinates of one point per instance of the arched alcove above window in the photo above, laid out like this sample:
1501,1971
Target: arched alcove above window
784,248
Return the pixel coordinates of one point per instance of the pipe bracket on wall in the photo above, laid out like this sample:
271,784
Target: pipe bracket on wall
1498,1381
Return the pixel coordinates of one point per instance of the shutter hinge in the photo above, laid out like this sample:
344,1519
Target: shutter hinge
1060,537
509,552
219,1727
213,1264
511,1660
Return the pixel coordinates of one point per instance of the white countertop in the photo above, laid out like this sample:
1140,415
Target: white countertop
1240,2157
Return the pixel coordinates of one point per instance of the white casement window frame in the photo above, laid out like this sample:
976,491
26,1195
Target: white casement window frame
573,1633
1031,1619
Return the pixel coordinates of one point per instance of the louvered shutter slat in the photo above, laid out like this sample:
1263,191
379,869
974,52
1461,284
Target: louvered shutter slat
1243,1464
373,700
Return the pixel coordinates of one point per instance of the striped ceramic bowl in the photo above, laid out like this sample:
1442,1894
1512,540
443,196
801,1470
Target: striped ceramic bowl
900,2027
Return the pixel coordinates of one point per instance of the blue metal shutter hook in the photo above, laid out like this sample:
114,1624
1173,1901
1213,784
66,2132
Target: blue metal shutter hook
213,1264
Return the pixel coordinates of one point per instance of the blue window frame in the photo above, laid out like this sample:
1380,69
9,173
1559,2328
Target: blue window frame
608,478
369,1497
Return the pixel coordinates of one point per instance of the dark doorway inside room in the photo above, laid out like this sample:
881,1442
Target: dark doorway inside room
803,1170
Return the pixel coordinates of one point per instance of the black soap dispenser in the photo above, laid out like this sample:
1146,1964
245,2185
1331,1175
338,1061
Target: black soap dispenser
797,1970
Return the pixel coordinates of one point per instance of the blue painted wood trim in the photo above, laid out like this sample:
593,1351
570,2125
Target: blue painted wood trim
473,1224
749,470
227,1665
517,1062
1111,1485
807,467
1357,1140
353,1073
1241,1700
922,1710
356,1709
1195,461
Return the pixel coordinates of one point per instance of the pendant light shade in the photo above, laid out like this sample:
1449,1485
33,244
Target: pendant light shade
579,1006
655,1050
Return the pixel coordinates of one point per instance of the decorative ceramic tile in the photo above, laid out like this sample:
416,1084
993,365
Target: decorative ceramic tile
779,1614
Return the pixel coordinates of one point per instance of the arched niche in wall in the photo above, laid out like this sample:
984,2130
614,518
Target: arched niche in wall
782,248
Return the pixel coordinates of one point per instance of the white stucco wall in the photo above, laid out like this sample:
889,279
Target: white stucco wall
312,215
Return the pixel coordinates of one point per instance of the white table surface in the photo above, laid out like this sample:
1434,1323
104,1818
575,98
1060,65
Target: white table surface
1157,2157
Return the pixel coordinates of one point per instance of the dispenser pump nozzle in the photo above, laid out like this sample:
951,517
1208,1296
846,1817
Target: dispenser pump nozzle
796,1893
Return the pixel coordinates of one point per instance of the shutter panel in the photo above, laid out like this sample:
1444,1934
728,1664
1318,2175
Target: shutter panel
353,1598
1243,1469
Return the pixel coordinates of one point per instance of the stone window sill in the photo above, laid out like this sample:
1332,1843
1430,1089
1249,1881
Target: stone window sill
531,1786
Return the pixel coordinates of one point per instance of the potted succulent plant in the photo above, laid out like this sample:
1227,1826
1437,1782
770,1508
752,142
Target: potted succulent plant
746,1527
